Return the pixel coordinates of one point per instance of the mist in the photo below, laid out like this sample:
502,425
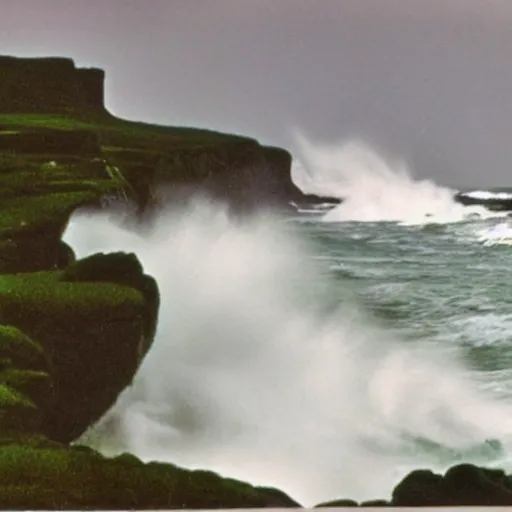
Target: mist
267,370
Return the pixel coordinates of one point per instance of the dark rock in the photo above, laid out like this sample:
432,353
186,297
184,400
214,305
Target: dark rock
117,267
420,488
462,485
65,256
49,85
275,498
375,503
469,485
491,203
337,503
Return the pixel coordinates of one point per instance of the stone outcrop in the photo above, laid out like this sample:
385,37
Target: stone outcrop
48,85
495,202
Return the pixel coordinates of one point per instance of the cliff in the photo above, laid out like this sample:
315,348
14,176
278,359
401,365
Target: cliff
49,85
50,107
73,333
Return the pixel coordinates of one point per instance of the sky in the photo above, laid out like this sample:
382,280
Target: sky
426,81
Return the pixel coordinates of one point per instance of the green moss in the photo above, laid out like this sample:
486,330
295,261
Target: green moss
119,268
338,503
34,301
94,356
118,133
74,479
26,388
18,414
31,212
37,386
54,121
11,398
20,350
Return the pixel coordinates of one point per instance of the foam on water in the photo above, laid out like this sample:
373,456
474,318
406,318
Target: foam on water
373,188
487,195
257,373
500,234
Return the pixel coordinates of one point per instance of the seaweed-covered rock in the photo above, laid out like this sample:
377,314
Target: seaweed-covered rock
61,478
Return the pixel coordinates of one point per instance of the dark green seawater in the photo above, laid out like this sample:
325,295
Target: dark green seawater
435,283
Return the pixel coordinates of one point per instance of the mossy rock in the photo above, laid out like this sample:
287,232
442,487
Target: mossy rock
119,268
55,478
18,414
36,385
94,333
375,503
65,256
337,504
17,348
26,387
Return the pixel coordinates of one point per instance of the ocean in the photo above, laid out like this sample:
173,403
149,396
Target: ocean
326,350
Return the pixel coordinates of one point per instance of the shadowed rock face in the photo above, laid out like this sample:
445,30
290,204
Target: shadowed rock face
491,203
462,485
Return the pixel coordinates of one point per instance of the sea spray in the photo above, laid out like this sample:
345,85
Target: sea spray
266,370
373,188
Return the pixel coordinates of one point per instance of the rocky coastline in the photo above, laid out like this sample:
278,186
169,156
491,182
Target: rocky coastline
73,333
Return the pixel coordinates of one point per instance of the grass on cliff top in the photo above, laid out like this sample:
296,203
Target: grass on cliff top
119,132
37,294
30,212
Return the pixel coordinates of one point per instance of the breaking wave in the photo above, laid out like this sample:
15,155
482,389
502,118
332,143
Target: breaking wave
372,188
263,370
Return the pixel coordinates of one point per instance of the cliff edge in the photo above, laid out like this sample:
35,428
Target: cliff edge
50,107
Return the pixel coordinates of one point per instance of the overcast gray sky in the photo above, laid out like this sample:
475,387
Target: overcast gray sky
426,80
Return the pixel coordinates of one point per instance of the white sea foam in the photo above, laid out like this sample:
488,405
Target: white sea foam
487,194
258,374
374,188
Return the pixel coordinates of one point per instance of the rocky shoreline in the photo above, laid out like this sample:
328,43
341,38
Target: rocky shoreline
73,333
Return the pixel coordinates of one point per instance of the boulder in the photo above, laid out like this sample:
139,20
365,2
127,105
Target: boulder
95,323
